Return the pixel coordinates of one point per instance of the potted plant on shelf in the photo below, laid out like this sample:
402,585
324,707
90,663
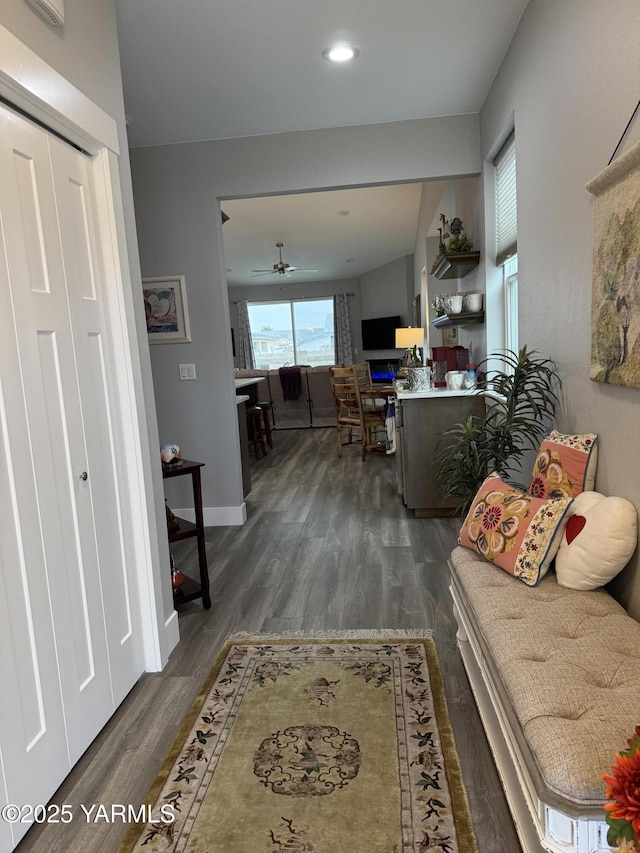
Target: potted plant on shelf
525,391
458,242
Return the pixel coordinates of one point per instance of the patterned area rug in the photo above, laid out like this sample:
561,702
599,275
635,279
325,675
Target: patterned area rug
314,746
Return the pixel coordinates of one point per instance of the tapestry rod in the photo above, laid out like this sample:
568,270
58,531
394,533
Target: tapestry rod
624,133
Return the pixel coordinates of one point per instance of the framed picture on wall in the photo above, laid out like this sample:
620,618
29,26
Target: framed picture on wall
165,304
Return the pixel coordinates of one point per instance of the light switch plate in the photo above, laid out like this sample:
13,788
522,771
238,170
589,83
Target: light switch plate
187,371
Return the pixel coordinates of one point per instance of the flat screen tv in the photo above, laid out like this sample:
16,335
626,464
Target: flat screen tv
380,332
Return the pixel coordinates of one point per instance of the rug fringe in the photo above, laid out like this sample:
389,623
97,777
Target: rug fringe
365,633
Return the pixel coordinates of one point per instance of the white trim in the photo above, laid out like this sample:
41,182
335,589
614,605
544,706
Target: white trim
171,624
139,520
28,82
217,516
511,320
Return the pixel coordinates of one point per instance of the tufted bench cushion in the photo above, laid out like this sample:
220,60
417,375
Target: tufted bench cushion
567,666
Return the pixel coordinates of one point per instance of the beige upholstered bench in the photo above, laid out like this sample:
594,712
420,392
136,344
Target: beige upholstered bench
556,676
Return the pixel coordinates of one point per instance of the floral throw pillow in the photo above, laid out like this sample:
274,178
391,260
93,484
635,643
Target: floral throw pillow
565,466
515,530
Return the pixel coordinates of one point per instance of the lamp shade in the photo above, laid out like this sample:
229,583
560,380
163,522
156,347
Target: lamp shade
409,338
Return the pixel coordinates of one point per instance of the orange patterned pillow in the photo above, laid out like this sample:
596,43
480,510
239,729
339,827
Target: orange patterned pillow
515,530
565,466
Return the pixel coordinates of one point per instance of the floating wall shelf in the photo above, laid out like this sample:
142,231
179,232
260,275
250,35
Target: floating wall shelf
463,319
455,265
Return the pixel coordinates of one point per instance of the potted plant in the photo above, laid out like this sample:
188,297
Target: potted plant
525,389
457,239
418,374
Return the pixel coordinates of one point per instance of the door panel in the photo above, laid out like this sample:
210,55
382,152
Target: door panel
95,379
54,413
32,730
65,608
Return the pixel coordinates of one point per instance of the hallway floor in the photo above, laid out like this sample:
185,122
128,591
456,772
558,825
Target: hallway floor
328,545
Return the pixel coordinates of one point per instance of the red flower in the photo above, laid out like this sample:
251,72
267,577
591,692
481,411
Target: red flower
538,488
623,786
491,517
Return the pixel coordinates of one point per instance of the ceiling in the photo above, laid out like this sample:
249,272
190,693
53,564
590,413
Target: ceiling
196,70
341,234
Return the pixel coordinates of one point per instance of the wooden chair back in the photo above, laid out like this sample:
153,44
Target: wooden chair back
351,412
345,396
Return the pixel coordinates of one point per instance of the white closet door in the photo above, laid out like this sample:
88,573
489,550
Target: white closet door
66,631
72,181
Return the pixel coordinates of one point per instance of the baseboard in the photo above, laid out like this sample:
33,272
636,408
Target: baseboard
171,635
217,516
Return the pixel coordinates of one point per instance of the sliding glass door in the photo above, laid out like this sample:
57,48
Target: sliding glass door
292,332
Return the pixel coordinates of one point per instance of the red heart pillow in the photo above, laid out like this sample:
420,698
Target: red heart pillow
598,541
574,526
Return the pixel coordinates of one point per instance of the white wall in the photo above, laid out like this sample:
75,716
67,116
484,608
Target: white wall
570,82
179,232
386,292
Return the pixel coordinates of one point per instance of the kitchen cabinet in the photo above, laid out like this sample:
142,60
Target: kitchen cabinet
421,418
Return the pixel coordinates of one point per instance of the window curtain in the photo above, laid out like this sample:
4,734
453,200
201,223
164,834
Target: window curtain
342,326
245,345
506,201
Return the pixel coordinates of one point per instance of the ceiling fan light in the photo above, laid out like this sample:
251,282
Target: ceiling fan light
340,53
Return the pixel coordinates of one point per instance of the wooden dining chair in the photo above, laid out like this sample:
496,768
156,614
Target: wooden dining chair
343,389
351,414
371,403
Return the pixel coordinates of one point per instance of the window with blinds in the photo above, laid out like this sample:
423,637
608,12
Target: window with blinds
506,207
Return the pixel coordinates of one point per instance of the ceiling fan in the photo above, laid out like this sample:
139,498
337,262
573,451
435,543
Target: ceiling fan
281,268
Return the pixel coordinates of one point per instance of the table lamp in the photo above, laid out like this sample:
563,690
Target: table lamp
412,340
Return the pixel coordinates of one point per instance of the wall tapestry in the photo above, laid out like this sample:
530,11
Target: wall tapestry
615,302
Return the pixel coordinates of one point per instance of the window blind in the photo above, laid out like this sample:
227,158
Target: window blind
506,206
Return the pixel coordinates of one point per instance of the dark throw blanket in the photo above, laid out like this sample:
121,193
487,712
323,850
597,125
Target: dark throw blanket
291,382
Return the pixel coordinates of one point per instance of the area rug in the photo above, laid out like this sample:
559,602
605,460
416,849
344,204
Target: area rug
324,745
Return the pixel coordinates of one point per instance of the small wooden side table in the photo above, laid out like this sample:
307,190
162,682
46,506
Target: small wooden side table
190,589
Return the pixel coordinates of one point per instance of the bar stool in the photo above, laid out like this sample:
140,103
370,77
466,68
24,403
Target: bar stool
254,430
266,416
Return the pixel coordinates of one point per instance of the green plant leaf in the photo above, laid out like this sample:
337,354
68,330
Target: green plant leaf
465,454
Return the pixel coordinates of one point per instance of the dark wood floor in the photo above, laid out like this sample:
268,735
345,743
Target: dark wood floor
327,545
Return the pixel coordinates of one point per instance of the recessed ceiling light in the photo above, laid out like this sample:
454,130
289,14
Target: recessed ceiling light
340,53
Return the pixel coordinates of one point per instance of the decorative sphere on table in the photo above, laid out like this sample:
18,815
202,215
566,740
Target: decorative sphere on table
170,454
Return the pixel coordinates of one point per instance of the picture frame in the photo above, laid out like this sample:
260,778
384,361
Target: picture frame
165,300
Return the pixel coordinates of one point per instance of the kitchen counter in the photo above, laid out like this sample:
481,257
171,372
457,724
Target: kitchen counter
250,380
438,393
